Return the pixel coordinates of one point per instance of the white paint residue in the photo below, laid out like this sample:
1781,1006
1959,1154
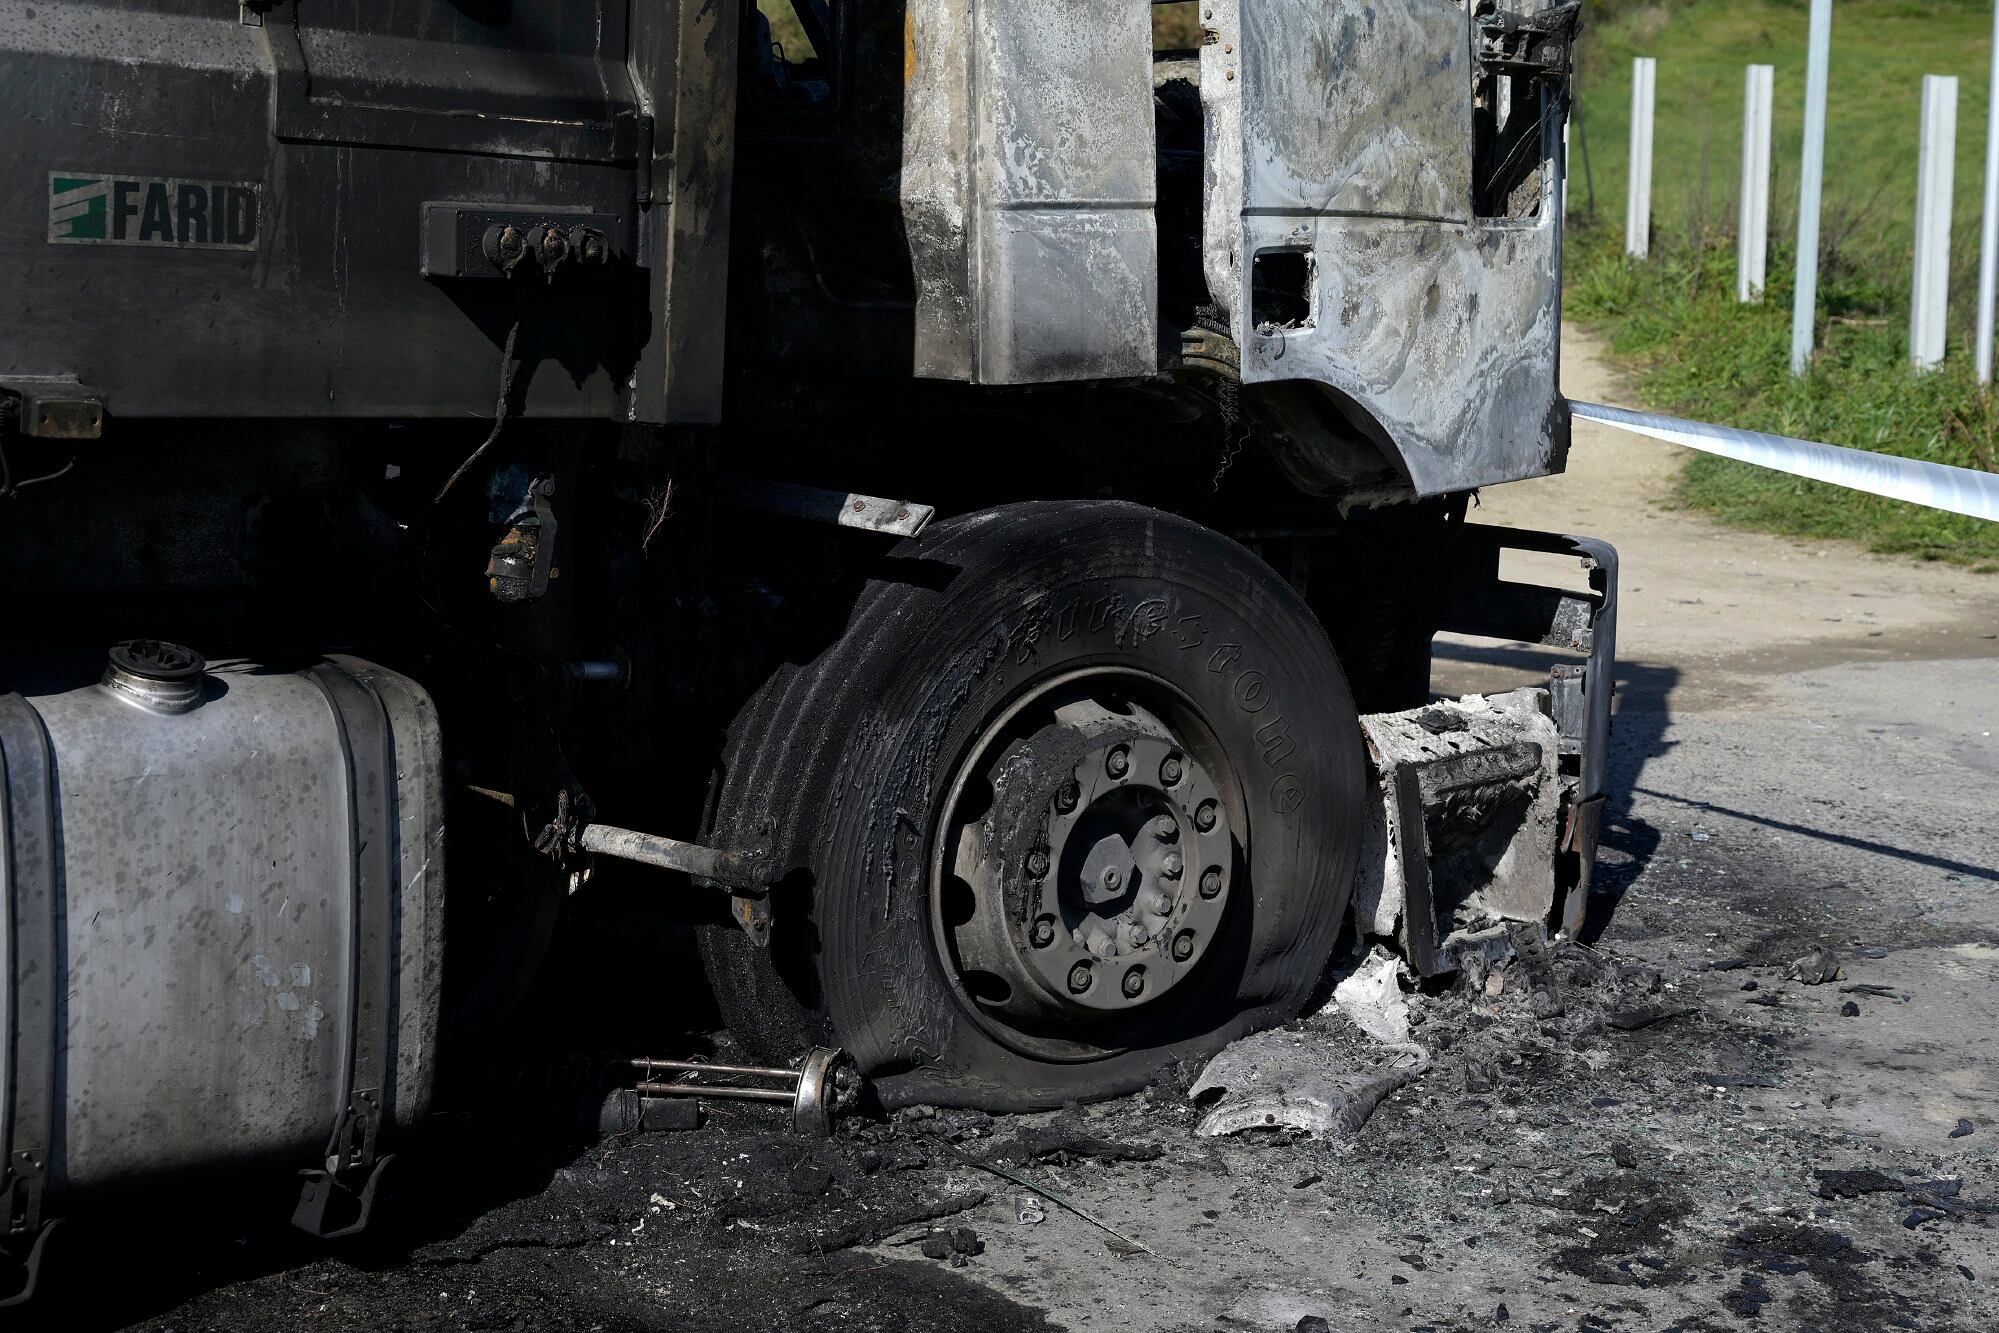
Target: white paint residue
313,1013
301,974
287,1001
235,903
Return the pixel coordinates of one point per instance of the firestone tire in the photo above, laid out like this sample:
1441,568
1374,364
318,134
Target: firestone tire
842,768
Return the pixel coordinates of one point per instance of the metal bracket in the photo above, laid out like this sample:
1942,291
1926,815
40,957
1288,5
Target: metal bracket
25,1181
21,1290
55,408
330,1207
492,240
353,1146
1579,692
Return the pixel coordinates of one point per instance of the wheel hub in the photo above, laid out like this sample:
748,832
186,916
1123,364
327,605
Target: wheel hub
1098,872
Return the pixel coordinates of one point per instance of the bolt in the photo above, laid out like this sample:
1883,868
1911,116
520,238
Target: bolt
1136,936
1037,862
1168,831
1169,770
1102,945
1183,946
1043,934
1080,978
1066,798
1158,904
1113,878
1204,816
1117,762
1211,882
1171,865
1134,983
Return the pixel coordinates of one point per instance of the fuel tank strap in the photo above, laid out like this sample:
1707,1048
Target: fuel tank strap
364,734
28,892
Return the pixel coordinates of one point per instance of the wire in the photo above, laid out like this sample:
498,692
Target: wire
9,488
508,367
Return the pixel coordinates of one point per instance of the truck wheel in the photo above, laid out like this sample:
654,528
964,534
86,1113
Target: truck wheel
1077,792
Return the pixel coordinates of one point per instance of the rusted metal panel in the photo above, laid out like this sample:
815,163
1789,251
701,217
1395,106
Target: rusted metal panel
1342,132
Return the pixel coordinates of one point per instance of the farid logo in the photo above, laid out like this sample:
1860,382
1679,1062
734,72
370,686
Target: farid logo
95,209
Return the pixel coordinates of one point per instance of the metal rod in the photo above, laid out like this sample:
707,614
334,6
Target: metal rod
722,1091
1638,187
1935,179
691,1066
1753,232
1811,189
1988,250
733,870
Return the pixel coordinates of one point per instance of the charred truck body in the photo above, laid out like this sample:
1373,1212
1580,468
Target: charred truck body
469,420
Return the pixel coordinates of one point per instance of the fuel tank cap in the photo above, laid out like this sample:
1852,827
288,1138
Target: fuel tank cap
156,675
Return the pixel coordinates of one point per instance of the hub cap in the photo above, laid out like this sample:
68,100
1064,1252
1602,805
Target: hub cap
1087,858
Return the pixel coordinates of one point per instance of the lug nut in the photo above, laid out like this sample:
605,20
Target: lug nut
1204,816
1043,933
1183,946
1113,878
1171,865
1158,904
1136,936
1102,945
1211,881
1134,983
1080,978
1169,770
1037,862
1168,831
1118,762
1066,798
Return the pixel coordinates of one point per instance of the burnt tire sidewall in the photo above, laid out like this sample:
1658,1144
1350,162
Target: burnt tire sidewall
1029,593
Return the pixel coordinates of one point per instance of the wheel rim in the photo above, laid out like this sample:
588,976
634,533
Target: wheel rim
1089,846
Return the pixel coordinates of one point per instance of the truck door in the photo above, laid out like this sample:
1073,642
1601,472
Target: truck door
1359,236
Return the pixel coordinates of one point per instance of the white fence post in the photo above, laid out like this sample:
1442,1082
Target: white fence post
1752,246
1935,177
1638,200
1811,188
1988,250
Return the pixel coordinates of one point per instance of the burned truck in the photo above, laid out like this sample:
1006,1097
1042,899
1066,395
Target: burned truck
924,493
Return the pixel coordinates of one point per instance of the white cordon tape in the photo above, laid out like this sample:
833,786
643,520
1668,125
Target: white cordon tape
1961,490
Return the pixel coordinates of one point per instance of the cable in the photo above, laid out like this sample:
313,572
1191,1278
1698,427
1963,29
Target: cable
508,367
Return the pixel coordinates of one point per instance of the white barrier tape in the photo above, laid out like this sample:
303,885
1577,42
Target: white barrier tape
1960,490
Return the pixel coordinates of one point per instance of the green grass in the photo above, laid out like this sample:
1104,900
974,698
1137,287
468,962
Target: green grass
1673,318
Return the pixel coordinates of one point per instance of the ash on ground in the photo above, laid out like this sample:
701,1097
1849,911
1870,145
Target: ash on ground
1667,1137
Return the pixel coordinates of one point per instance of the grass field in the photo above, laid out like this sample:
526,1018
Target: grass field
1673,318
